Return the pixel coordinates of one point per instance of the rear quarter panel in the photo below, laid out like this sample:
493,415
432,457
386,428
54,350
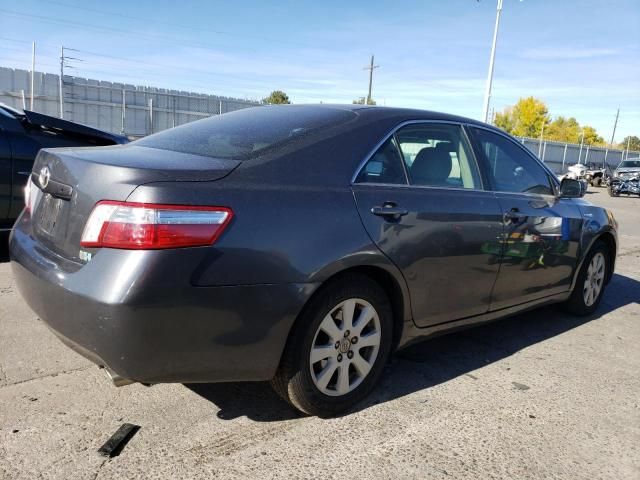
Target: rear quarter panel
279,233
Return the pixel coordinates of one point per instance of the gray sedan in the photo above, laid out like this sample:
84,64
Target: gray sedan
299,244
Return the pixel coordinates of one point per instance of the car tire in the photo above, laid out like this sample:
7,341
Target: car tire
612,193
591,281
597,182
324,373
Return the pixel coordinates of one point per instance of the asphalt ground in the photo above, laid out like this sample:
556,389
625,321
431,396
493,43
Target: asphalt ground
539,395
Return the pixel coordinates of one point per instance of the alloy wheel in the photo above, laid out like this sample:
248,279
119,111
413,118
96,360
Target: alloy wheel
594,279
345,347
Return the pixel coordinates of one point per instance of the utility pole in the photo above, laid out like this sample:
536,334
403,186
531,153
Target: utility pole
581,143
151,115
614,127
487,94
124,111
370,68
61,80
33,72
628,143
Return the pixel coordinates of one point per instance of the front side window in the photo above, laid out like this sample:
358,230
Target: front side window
509,167
437,155
385,166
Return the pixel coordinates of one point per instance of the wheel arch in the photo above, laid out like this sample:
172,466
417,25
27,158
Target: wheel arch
609,240
394,287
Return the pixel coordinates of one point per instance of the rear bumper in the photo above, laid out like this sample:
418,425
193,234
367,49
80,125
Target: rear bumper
139,314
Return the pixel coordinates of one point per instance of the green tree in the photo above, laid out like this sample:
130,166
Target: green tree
363,100
634,142
563,130
525,118
277,97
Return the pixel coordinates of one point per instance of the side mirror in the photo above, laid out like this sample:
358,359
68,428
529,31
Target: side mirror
572,188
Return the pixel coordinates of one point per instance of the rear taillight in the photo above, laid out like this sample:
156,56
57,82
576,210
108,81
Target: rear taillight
149,226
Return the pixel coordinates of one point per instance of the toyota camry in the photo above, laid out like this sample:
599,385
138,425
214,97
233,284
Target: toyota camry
299,244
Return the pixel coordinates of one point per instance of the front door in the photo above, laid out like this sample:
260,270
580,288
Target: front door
542,232
421,200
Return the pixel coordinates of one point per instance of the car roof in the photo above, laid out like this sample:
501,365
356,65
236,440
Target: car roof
384,112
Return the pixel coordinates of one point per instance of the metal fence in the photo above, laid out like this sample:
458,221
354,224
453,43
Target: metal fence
115,107
559,156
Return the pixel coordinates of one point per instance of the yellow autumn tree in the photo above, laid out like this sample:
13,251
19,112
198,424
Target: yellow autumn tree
525,118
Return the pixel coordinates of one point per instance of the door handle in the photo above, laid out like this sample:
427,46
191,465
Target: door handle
513,216
389,210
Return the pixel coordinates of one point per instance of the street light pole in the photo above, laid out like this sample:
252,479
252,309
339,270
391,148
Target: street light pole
487,94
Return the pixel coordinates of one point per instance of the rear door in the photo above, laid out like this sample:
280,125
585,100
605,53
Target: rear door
542,232
421,200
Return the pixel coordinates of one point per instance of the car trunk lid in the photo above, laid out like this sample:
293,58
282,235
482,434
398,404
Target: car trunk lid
67,183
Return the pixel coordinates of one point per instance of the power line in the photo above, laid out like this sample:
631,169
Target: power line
153,37
101,28
171,24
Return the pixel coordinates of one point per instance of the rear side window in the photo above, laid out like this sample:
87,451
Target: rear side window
509,167
246,133
385,166
437,155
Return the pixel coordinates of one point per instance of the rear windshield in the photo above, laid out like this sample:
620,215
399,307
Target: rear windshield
630,164
246,133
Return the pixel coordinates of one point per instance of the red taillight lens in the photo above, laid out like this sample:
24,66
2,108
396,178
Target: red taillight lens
144,226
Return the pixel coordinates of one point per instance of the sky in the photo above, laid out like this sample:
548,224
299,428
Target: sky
582,58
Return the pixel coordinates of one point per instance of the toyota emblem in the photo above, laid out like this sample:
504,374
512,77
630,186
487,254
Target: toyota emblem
44,176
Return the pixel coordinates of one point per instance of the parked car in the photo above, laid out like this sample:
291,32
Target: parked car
22,135
299,244
627,168
625,178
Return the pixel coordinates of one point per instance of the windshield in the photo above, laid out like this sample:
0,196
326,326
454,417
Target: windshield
630,164
246,133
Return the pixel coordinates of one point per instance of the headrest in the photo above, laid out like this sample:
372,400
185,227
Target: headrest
431,166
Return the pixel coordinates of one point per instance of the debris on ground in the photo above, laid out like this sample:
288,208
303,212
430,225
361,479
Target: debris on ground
118,440
521,386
